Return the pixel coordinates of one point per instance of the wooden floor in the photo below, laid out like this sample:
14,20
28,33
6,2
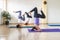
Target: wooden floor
23,34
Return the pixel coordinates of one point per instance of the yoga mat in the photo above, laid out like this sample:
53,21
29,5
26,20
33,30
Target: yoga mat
21,27
45,30
53,24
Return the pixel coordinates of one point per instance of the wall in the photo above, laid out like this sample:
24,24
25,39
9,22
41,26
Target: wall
24,6
54,11
1,9
0,16
44,8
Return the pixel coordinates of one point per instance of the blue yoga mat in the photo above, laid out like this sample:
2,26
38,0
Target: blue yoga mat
53,24
45,30
21,27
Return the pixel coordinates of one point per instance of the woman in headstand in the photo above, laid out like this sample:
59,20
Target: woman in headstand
22,17
37,16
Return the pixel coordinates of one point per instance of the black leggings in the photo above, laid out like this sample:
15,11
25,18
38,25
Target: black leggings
21,17
36,13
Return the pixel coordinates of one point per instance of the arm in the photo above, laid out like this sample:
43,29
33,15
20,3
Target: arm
26,23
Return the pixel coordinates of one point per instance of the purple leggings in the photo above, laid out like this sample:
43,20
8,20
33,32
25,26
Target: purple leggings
36,21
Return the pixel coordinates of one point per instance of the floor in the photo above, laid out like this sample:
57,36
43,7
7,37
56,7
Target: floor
23,34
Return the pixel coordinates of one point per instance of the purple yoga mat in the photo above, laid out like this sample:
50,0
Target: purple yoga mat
45,30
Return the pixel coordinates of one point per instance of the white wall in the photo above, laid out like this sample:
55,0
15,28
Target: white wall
0,16
53,11
1,9
24,6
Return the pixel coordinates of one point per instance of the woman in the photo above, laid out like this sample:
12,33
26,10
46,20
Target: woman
36,18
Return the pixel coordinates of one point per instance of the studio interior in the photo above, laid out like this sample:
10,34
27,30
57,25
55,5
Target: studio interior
29,20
